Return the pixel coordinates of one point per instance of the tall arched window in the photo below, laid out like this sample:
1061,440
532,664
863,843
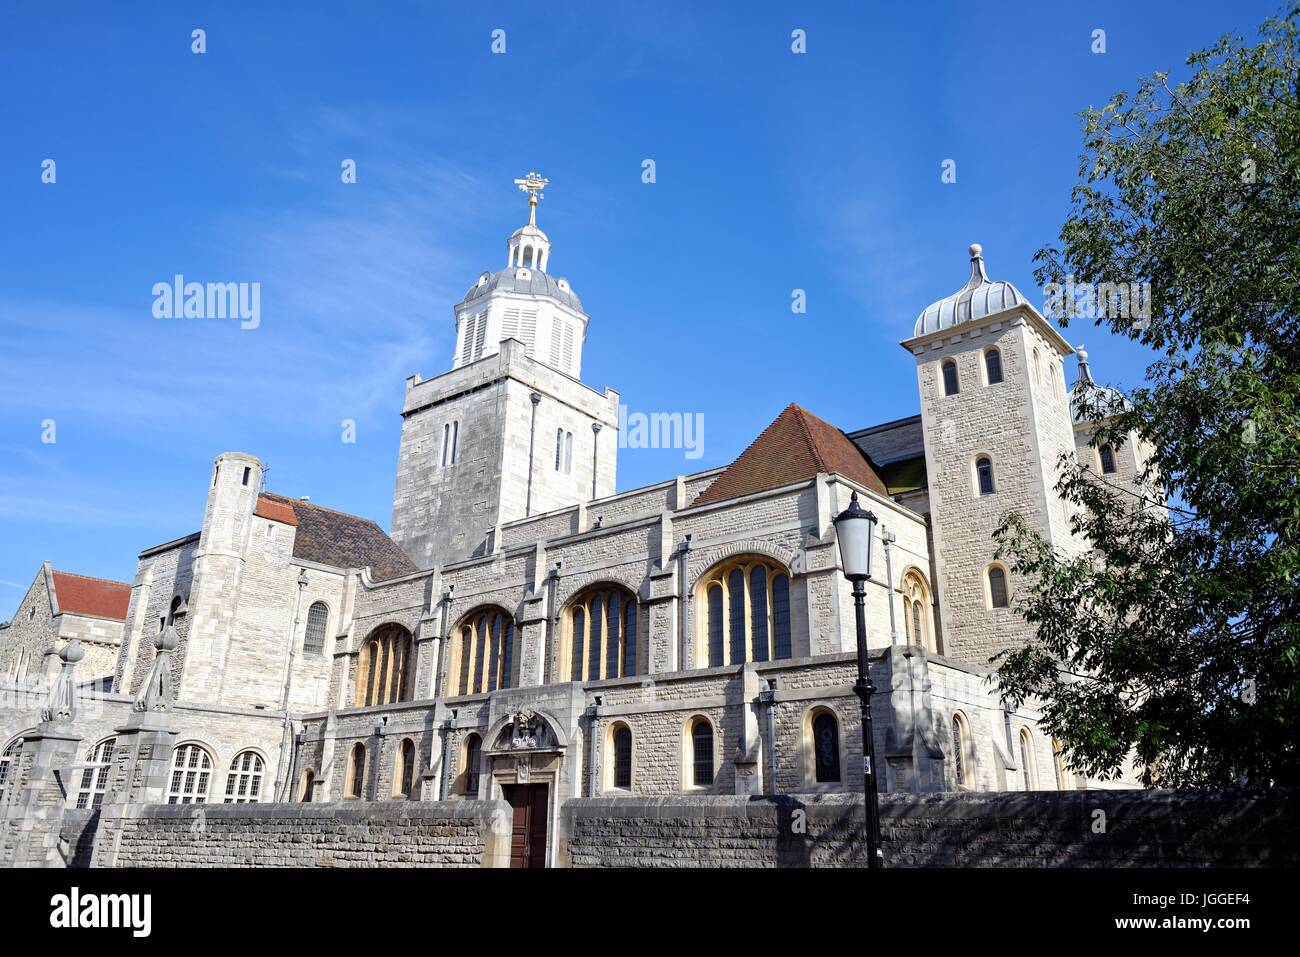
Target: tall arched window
993,366
1027,760
244,782
998,597
307,789
7,759
1038,368
950,383
621,763
917,611
746,613
559,449
385,672
356,779
1107,459
568,453
984,475
318,616
94,781
191,775
484,651
602,634
473,762
175,609
963,773
404,773
701,753
826,748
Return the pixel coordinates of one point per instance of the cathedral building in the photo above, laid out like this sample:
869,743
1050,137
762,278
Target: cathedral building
526,632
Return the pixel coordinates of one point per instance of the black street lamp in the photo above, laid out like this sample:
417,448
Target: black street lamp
855,529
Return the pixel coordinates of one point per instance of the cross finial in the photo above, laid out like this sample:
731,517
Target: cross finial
532,184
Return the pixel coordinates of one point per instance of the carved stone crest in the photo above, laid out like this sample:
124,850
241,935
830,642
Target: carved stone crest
526,729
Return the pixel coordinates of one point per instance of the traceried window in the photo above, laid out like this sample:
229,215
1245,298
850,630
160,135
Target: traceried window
473,761
961,751
191,775
917,619
404,775
356,779
602,634
993,366
384,672
746,613
984,474
318,617
1107,460
701,739
826,748
94,781
622,742
8,761
950,384
483,651
998,587
244,782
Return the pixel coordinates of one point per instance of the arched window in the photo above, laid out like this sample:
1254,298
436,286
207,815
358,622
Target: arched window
963,773
404,774
307,789
568,453
244,782
998,587
356,779
1064,780
950,384
484,651
621,741
701,739
94,781
917,611
984,475
191,774
385,673
1038,369
747,613
602,634
826,748
318,617
1107,459
559,449
1058,381
1027,760
175,609
473,761
7,758
993,366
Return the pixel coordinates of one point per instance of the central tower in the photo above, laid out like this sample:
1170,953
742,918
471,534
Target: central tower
511,430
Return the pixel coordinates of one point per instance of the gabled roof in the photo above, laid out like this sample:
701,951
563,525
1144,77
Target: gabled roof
794,448
336,538
99,597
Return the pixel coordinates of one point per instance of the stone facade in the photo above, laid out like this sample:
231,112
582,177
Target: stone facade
399,695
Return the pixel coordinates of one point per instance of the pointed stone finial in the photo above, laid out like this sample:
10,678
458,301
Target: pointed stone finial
1085,374
61,706
156,692
978,276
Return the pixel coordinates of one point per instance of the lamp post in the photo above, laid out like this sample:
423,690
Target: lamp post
855,528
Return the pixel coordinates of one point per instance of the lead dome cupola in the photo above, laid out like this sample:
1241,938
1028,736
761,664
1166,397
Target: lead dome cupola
980,297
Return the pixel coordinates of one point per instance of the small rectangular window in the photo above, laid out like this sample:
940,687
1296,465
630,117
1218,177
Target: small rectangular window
247,472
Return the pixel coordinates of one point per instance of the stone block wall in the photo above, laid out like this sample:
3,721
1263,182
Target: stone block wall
1156,828
406,834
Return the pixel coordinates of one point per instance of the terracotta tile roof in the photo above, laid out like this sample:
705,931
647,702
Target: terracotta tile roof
794,448
268,507
337,538
100,597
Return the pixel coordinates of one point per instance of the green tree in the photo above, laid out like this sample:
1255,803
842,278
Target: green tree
1175,638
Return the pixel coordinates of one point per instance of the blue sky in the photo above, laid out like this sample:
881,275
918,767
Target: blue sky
775,171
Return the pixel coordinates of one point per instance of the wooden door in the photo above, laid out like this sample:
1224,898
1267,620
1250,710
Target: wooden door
528,824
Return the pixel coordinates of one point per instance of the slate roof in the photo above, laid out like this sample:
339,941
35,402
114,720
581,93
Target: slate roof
337,538
794,448
82,595
538,283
